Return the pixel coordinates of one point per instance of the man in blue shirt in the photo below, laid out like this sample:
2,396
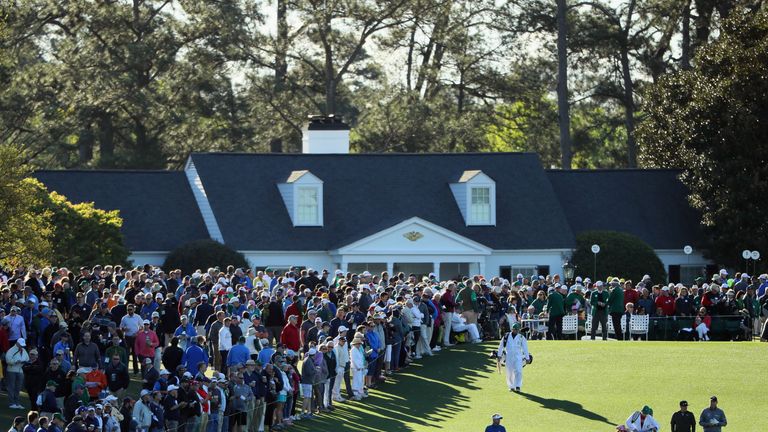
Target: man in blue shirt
496,426
239,354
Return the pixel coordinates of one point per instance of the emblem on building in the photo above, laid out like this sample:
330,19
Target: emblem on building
413,235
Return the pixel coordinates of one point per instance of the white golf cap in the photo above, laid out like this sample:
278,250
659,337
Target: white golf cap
21,342
496,417
343,328
173,387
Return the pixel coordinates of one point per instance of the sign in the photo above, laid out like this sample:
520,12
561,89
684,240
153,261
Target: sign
746,254
595,249
755,255
688,250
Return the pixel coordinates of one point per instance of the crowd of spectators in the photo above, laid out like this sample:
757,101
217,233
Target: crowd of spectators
740,302
215,350
258,350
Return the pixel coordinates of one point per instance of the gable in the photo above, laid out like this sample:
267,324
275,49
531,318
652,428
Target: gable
415,236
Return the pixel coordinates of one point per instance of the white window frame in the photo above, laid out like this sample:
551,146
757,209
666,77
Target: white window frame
473,210
297,202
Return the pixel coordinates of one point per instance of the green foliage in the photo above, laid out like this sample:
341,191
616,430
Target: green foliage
82,234
202,254
25,232
711,122
621,255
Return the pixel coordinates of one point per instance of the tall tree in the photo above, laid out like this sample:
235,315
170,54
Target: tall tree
710,122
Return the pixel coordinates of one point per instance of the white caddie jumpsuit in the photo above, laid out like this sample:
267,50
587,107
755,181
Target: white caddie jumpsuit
517,351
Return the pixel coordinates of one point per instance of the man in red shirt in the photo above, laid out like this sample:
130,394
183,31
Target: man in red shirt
666,302
631,295
290,334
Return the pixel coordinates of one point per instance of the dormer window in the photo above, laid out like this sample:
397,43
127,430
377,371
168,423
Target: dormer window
480,206
307,206
475,195
302,194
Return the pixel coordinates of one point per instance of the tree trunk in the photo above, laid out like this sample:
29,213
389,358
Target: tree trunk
685,58
563,108
106,141
85,145
629,106
328,69
281,65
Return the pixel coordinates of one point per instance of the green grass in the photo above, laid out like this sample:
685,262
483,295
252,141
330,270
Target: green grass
573,386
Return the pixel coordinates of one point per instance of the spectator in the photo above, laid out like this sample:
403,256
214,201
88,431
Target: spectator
15,359
702,323
599,301
616,306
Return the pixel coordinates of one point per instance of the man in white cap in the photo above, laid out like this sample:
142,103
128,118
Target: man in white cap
496,426
515,347
142,413
15,358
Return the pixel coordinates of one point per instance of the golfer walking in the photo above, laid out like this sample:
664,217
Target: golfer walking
515,346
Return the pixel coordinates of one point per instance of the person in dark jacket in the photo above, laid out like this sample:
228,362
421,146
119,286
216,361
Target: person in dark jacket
73,401
683,420
117,375
48,404
32,373
57,374
172,355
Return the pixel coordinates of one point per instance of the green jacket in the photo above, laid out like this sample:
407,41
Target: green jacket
555,307
616,300
572,299
596,297
468,299
538,305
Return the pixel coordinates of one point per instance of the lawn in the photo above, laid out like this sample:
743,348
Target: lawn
572,386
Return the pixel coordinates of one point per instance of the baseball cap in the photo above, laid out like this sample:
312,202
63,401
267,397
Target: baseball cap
145,392
21,342
683,403
496,417
713,399
173,387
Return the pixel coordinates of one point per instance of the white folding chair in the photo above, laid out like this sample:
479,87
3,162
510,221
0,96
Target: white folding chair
639,325
571,325
588,325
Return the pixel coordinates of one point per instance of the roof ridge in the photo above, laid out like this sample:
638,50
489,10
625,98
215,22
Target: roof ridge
392,154
109,171
599,170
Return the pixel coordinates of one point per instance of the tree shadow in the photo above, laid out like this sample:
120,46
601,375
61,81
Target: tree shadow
424,394
567,406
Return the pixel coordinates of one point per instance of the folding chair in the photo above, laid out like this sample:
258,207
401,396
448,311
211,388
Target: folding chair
571,325
639,325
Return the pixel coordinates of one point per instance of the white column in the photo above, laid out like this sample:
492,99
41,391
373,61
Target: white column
390,268
344,265
481,264
436,269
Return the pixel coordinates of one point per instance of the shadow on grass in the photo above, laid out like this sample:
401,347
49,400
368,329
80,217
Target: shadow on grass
567,406
423,394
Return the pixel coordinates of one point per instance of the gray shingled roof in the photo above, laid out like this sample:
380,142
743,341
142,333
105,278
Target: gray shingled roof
366,193
651,204
158,209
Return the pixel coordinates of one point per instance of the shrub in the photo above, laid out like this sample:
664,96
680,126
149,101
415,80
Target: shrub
621,255
202,254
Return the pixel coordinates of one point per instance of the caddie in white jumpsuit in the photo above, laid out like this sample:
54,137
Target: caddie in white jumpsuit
516,347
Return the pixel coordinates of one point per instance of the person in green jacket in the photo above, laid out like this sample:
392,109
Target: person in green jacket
540,301
616,306
468,300
556,311
575,301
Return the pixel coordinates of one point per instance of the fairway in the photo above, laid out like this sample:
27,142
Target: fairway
572,386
